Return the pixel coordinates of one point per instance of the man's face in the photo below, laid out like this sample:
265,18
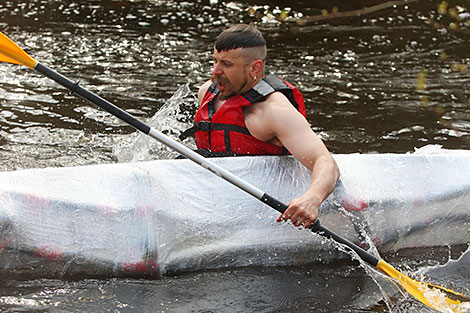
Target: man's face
231,72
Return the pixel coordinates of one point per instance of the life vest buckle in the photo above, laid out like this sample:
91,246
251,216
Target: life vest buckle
204,126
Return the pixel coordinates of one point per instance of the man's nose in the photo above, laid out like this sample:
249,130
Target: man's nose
216,69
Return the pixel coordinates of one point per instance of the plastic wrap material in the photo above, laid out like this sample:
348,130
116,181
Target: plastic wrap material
163,216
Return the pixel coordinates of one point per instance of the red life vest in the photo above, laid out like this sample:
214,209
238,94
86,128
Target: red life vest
224,133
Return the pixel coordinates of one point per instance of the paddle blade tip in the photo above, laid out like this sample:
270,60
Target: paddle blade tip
444,299
10,52
436,297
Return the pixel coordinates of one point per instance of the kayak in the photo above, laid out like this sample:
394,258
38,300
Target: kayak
166,216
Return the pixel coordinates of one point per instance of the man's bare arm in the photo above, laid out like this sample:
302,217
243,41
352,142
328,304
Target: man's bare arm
279,120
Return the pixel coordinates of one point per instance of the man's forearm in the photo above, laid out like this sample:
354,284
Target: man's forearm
325,175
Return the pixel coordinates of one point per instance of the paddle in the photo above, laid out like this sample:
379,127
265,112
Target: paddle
446,299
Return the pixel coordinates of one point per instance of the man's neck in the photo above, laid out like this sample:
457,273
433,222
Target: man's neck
250,84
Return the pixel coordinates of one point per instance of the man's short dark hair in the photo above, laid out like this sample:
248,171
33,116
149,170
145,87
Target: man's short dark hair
239,36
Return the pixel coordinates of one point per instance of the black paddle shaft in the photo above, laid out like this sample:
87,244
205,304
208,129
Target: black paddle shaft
93,98
363,254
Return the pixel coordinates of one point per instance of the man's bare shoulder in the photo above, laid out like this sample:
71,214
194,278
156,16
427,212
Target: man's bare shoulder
202,90
273,104
262,118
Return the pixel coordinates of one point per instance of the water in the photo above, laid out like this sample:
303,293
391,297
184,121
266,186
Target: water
390,81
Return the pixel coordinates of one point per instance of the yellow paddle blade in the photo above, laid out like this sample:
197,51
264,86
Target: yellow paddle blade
10,52
436,297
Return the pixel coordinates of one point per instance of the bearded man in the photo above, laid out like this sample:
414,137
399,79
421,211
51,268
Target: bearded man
244,112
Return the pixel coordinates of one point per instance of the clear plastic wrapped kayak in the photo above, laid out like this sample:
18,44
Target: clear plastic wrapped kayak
156,217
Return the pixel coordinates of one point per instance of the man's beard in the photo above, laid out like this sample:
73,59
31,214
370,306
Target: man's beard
227,83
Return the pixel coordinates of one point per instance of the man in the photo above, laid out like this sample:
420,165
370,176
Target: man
243,112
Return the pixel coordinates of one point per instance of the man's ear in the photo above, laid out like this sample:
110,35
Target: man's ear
256,68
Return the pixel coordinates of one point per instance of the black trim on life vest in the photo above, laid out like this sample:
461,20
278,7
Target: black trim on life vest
228,145
279,85
208,127
253,96
203,125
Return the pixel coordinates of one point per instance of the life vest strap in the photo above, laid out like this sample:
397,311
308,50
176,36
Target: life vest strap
209,126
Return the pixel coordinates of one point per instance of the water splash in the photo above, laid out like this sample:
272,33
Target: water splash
172,119
455,271
395,297
438,299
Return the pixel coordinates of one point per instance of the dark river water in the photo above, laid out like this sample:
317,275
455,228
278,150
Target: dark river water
386,81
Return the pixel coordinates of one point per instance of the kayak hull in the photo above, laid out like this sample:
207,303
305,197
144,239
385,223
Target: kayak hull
157,217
